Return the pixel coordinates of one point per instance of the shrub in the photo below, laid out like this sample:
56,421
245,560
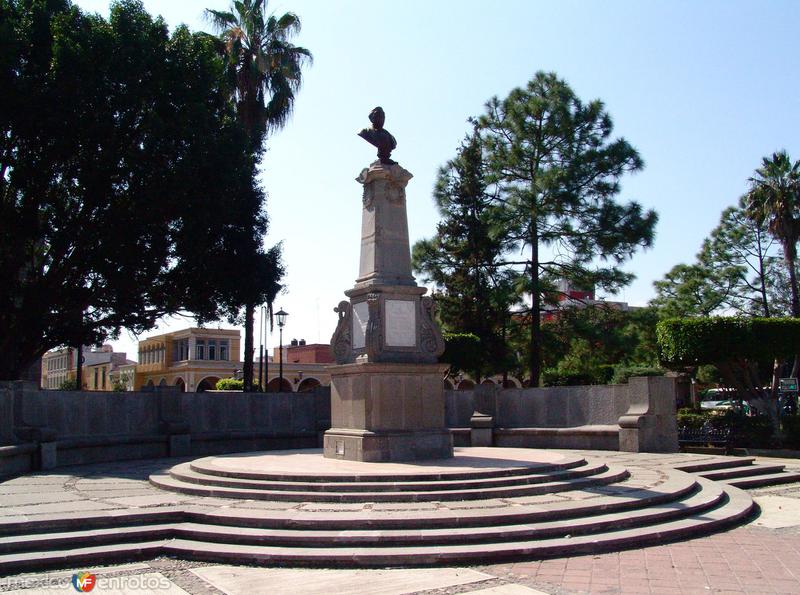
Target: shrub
746,432
69,384
230,384
623,373
462,351
557,377
691,418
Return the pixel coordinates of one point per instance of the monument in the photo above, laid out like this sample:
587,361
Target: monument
387,395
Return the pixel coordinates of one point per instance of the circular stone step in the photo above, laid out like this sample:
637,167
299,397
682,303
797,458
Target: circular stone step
539,508
309,465
472,474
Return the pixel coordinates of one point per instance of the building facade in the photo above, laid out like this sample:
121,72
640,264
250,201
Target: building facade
192,359
60,365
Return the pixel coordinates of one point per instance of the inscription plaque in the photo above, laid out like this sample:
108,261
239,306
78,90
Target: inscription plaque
360,320
401,323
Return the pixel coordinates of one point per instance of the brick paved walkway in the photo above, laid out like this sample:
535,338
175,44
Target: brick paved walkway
744,560
762,557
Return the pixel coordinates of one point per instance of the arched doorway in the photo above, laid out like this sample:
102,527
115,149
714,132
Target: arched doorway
275,386
308,385
466,385
208,383
163,382
488,382
150,383
181,385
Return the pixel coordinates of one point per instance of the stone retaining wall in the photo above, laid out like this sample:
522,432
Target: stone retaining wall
636,417
44,429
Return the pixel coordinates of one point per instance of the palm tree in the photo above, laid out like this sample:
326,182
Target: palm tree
774,198
266,71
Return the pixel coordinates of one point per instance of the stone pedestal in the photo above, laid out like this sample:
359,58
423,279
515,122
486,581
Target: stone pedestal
387,393
387,412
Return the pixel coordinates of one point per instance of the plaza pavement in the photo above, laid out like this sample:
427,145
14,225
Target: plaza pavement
760,557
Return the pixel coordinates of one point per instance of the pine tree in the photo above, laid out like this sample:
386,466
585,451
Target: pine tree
555,170
461,259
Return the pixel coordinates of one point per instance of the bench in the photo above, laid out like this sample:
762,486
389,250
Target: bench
705,436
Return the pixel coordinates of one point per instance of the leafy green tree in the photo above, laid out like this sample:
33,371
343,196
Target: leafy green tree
266,70
462,260
774,199
556,170
691,290
589,342
741,250
121,173
734,272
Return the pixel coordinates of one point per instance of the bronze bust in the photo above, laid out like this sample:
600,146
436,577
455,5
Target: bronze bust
379,137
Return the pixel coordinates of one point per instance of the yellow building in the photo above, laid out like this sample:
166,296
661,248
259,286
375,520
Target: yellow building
192,359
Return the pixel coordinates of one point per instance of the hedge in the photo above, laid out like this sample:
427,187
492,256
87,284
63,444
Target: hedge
695,341
623,373
229,384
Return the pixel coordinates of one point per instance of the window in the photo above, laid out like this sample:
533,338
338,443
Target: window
200,350
223,350
104,378
95,377
180,350
212,349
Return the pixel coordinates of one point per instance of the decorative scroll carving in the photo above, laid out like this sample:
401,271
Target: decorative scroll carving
431,340
374,338
342,339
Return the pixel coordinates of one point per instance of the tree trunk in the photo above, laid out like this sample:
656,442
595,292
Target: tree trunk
789,254
249,315
790,258
535,361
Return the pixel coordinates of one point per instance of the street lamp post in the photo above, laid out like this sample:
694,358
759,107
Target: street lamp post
281,316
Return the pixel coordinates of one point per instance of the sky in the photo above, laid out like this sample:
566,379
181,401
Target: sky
703,90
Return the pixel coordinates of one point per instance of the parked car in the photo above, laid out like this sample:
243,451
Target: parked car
727,404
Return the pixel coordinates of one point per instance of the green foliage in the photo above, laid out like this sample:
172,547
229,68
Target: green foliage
691,418
690,290
774,200
461,260
790,426
564,377
708,374
69,384
555,170
623,373
463,352
229,384
125,188
613,336
265,72
735,270
746,431
689,342
121,384
581,365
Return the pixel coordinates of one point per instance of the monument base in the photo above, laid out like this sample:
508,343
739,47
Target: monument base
388,446
383,412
